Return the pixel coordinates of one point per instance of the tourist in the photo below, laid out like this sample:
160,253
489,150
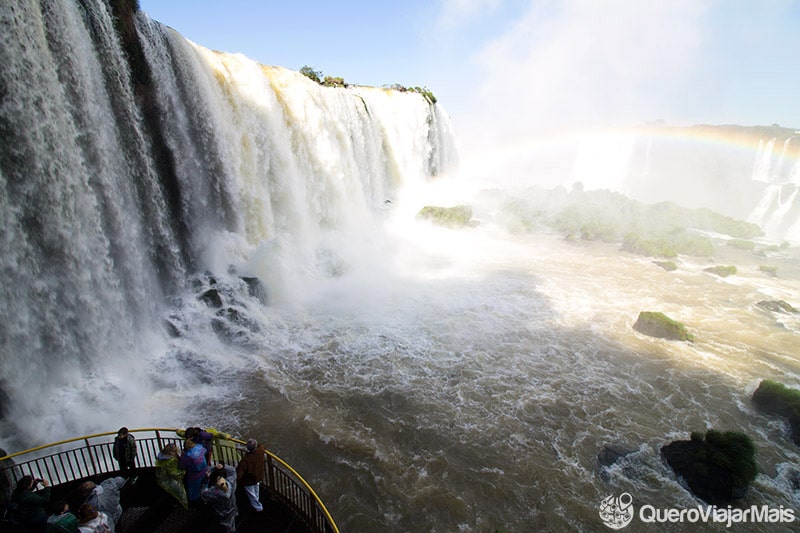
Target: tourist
7,482
201,436
169,474
93,521
250,472
32,502
104,497
194,462
221,495
61,520
124,451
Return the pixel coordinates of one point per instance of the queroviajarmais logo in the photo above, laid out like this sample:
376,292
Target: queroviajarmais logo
617,511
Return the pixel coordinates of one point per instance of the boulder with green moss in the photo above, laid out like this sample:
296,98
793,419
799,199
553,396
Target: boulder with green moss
775,398
669,266
722,271
660,325
718,467
777,306
450,217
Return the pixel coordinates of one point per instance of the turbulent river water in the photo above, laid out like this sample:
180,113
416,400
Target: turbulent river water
420,378
466,380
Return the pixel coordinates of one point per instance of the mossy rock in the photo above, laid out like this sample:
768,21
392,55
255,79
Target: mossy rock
450,217
777,306
717,468
721,270
775,398
669,266
660,325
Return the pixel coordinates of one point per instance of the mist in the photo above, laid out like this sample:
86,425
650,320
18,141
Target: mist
609,93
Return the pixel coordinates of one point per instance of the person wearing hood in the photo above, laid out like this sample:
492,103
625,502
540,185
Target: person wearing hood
194,462
93,521
220,494
169,475
61,520
104,497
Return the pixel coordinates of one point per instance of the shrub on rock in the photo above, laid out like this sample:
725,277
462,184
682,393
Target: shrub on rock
721,270
769,270
450,217
775,398
717,468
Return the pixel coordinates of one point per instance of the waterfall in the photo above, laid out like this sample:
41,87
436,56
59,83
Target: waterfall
778,210
115,191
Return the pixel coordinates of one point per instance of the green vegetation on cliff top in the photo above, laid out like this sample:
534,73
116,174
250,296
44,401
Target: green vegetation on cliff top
332,81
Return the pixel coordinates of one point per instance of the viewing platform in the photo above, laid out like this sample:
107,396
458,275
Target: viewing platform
290,504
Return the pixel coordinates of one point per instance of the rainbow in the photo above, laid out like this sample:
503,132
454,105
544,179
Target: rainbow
771,149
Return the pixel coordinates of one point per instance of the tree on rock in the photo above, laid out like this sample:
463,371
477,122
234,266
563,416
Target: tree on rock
717,467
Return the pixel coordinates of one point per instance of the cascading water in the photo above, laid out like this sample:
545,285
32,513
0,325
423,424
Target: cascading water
192,238
87,247
105,218
778,211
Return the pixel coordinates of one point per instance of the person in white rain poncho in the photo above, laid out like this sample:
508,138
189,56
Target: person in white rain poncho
221,495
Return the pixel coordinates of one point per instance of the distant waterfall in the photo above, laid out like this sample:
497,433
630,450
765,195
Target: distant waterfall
778,211
105,216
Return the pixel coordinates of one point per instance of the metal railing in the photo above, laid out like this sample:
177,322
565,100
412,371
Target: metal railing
92,455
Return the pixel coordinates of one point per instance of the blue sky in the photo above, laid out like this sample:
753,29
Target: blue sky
510,67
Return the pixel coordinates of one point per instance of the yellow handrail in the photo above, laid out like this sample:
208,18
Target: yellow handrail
156,430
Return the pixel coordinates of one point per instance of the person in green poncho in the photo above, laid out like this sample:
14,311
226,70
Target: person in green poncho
61,520
169,475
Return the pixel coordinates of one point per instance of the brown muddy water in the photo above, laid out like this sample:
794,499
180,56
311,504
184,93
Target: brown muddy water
470,384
